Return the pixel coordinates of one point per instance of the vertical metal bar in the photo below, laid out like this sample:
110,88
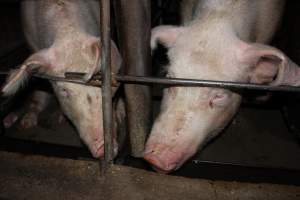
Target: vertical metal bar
106,81
134,20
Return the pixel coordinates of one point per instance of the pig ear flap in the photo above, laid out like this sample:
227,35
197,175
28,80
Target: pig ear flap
17,78
264,64
116,59
165,35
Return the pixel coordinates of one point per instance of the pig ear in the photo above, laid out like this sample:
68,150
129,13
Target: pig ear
165,35
116,60
18,77
264,64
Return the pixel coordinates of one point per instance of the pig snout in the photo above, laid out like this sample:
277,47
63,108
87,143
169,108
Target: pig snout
96,145
93,138
172,141
165,158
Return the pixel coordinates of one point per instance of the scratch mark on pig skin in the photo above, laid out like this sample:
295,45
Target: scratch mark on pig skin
211,104
89,99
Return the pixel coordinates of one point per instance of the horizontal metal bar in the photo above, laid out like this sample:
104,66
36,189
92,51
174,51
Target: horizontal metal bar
77,80
195,83
204,83
74,77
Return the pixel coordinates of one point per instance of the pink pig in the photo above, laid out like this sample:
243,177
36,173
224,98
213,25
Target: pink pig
64,36
219,40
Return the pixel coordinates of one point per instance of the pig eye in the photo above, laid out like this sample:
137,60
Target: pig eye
64,92
220,100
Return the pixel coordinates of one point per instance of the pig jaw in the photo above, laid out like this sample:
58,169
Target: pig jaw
179,131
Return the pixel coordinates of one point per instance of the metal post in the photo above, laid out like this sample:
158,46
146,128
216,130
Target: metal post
106,81
134,28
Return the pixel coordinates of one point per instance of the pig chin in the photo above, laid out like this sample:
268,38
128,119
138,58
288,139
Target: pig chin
94,140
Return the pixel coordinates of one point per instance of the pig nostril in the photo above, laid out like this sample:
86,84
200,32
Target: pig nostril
99,152
149,152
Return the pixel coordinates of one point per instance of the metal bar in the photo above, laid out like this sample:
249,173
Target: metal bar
169,81
106,81
200,83
134,20
204,83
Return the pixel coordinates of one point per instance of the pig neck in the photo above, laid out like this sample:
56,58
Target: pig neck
239,17
68,30
69,21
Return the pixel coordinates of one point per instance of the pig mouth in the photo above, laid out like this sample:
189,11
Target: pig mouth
97,149
163,159
159,165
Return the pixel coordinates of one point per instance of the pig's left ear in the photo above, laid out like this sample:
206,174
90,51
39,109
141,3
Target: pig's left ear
268,65
36,63
165,35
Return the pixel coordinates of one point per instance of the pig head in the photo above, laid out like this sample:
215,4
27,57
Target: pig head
190,116
82,104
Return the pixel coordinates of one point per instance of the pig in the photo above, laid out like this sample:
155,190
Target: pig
29,114
223,40
64,37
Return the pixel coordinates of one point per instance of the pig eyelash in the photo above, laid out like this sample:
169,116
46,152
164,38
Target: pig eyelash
211,104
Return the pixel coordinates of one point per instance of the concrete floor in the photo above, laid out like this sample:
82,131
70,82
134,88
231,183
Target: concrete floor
256,137
38,177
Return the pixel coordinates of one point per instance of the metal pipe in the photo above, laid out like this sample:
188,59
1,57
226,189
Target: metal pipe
204,83
196,83
106,81
74,77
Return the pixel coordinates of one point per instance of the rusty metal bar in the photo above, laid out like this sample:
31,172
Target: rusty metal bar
106,81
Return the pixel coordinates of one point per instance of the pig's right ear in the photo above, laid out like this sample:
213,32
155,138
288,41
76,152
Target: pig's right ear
18,77
165,35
